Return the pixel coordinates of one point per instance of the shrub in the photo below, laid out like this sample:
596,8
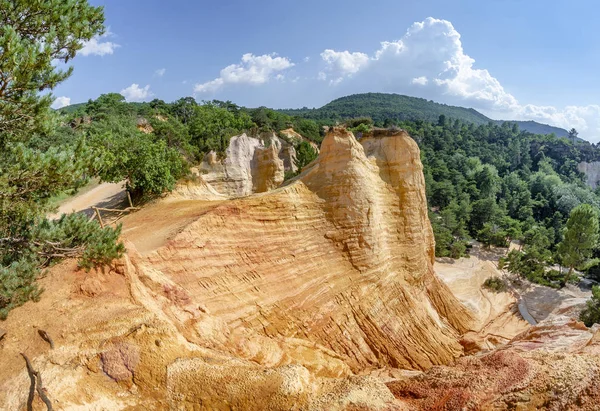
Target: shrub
591,314
495,284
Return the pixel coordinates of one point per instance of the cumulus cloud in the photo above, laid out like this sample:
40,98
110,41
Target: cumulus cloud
420,80
98,46
136,93
61,102
429,61
343,63
586,119
160,72
252,70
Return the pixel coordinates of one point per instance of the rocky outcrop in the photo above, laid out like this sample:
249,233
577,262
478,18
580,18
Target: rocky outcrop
232,176
144,125
317,295
358,257
592,173
269,169
250,165
553,366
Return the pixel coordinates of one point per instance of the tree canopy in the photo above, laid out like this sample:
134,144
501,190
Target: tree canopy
33,35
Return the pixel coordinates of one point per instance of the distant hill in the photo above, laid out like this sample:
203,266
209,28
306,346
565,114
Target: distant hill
71,108
538,128
383,106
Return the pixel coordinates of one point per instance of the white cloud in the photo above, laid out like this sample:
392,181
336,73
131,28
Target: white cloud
429,61
306,59
343,63
420,80
136,93
160,72
586,119
253,70
97,46
61,102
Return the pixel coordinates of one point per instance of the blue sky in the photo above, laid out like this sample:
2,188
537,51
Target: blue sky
510,59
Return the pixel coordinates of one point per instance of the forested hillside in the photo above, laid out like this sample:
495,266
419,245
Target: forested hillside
386,109
496,183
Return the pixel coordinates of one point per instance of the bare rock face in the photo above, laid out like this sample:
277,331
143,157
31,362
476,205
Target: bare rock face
232,176
249,166
144,126
591,171
269,169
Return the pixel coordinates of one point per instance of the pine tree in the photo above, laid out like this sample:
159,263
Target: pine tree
591,313
581,237
33,35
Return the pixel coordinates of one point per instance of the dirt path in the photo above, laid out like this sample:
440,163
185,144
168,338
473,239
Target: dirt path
108,195
152,226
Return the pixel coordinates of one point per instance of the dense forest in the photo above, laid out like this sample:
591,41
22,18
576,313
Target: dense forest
386,109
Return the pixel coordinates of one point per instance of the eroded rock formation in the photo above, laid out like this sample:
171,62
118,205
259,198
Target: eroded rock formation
250,165
288,299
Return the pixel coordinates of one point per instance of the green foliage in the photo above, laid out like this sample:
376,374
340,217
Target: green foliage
591,314
308,129
33,34
492,235
305,154
74,233
17,284
211,126
495,284
361,129
149,166
532,261
580,238
380,107
449,231
34,165
391,109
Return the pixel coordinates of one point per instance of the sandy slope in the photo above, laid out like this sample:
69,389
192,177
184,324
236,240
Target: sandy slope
498,318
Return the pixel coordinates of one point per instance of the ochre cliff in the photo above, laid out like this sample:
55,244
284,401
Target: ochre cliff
287,299
341,257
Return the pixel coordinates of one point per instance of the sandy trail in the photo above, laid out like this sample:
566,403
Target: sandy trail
107,195
152,226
